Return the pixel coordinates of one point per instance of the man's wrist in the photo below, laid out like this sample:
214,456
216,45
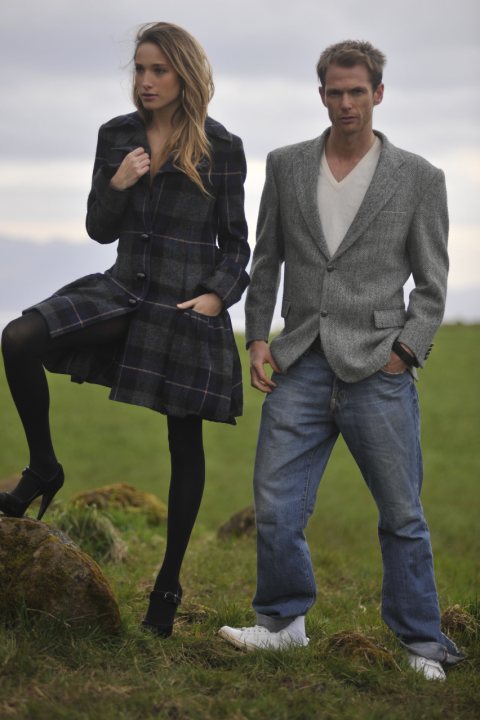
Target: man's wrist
407,357
251,342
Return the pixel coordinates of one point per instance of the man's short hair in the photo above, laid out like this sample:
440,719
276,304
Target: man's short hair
353,52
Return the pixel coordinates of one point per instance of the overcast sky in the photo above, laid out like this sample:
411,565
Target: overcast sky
65,70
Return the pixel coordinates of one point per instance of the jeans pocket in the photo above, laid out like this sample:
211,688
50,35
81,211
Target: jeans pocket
391,374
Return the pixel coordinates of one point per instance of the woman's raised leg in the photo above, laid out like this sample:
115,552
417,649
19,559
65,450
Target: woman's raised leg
25,344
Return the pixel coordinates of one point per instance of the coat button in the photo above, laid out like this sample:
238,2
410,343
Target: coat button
141,276
145,236
323,313
132,301
330,268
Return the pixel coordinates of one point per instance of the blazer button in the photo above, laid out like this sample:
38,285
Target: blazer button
132,301
141,276
145,236
323,313
330,268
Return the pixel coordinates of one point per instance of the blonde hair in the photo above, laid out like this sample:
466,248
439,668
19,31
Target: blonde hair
188,143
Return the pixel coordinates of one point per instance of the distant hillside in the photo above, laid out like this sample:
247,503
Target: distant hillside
31,271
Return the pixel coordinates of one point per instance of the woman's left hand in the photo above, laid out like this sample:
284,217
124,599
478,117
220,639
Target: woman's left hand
206,304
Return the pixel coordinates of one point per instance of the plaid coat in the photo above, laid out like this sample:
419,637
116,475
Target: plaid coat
174,243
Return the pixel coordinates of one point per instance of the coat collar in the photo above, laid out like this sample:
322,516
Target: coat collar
131,133
384,183
134,123
215,129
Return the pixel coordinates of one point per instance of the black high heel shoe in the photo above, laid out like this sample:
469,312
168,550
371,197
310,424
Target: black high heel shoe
30,487
161,611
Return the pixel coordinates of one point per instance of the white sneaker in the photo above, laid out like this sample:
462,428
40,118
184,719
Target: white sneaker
430,669
259,638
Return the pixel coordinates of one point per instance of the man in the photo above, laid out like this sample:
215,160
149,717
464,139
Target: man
351,216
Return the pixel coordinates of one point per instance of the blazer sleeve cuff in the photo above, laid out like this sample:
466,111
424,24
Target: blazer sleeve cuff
419,341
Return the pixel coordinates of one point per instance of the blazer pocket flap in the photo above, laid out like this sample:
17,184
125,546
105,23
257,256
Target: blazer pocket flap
389,318
285,308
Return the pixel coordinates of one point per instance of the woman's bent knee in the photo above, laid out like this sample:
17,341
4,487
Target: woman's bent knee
26,335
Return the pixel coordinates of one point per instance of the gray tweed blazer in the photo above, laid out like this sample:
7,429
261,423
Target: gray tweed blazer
354,299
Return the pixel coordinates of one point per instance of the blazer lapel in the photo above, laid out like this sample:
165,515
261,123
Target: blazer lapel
306,166
383,185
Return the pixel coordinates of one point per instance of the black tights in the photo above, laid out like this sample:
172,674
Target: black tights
25,343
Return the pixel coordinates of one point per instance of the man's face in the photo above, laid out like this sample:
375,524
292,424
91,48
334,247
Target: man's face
349,98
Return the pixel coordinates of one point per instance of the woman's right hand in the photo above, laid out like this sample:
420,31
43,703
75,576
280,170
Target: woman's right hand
133,167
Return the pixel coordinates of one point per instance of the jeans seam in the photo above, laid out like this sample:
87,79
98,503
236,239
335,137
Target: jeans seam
418,451
305,518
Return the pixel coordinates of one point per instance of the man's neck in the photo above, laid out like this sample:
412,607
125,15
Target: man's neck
348,148
343,153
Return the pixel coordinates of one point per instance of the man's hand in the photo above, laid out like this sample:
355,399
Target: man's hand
260,355
395,365
207,304
133,167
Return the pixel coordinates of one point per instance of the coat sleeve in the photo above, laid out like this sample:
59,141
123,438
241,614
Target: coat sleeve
230,279
268,257
427,249
105,206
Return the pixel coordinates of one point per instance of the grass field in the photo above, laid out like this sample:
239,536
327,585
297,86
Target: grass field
49,671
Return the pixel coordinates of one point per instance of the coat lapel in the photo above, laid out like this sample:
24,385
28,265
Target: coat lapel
130,132
384,183
306,166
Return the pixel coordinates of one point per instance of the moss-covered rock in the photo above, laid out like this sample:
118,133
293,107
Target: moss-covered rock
240,524
44,569
92,531
121,495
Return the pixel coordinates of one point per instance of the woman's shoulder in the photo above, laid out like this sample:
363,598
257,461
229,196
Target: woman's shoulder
216,130
130,119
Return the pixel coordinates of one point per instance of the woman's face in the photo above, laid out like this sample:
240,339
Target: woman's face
157,83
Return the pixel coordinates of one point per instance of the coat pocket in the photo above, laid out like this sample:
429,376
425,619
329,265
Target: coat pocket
199,369
389,318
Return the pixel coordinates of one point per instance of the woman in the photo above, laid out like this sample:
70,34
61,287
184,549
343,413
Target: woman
168,183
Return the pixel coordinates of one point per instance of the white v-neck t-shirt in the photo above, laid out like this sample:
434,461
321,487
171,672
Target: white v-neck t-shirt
338,202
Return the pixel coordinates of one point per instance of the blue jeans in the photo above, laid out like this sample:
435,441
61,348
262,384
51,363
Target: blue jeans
379,420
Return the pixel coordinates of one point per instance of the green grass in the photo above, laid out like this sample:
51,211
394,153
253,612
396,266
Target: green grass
48,671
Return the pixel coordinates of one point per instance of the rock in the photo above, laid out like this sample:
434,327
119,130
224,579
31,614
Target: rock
50,574
125,496
240,524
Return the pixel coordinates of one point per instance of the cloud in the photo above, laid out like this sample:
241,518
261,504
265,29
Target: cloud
464,257
69,67
86,36
46,200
